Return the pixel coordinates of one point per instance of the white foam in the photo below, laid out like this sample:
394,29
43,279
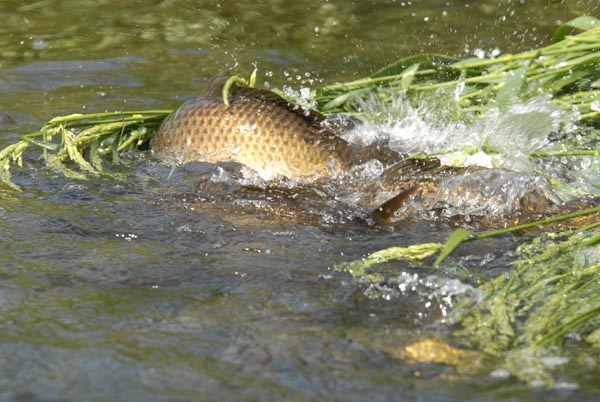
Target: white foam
501,138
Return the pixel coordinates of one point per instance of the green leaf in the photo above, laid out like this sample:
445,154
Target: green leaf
457,237
557,84
582,23
360,269
426,60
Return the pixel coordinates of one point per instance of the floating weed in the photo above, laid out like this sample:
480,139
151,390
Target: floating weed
359,269
560,71
417,252
11,154
84,141
235,79
525,315
550,295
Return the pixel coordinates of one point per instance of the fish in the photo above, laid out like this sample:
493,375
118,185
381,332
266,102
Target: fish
279,140
262,131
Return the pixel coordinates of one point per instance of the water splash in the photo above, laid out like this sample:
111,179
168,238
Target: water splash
501,138
494,193
437,292
304,97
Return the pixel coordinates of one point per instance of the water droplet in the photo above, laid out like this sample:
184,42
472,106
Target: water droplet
39,44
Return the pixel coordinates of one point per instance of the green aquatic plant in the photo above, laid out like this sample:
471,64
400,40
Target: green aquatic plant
522,316
417,252
85,140
360,269
235,79
549,296
566,72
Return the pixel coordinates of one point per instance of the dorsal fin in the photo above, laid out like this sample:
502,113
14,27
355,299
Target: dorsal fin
410,168
215,85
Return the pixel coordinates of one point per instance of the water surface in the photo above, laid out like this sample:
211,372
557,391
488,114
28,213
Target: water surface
122,290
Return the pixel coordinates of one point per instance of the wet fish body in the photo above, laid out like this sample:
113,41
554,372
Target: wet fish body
258,129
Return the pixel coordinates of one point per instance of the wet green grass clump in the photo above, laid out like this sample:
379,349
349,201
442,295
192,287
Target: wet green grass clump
549,298
86,141
566,72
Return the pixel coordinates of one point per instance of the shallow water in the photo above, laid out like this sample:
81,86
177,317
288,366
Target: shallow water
122,290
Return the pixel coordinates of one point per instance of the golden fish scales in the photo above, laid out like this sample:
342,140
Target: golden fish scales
268,137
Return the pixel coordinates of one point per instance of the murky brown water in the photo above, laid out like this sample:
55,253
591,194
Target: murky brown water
120,290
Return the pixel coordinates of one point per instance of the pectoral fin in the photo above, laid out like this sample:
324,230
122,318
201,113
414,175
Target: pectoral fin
387,210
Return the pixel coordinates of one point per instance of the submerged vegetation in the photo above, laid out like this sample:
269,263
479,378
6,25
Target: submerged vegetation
550,293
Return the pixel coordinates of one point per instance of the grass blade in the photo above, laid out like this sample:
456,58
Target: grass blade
583,23
457,237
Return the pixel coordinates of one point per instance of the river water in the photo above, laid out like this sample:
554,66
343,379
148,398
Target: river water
121,290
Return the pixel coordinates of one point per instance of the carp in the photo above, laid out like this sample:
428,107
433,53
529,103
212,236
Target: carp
262,131
277,139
